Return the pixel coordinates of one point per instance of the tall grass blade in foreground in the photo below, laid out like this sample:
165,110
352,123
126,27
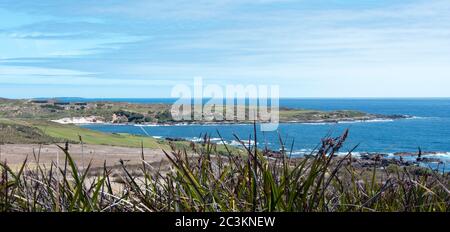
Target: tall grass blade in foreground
203,179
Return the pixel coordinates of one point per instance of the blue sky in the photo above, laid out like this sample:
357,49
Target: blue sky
310,48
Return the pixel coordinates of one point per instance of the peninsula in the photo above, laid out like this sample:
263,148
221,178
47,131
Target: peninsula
127,113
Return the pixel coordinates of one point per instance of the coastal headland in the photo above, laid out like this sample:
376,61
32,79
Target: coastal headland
123,113
27,124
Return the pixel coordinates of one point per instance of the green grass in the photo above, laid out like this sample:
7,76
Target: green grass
43,132
16,133
72,133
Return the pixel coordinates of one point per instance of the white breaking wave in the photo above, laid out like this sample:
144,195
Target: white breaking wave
237,143
347,122
443,155
146,125
80,120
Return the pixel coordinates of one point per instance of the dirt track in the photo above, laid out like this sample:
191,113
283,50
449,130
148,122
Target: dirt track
15,154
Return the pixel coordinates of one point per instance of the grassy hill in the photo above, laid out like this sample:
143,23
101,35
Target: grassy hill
27,131
37,131
13,132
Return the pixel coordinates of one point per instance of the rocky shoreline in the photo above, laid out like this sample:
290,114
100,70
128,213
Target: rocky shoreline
367,159
101,120
380,160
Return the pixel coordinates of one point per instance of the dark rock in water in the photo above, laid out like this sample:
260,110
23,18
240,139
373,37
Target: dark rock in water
364,156
175,139
380,160
372,156
433,152
405,154
395,116
429,160
420,153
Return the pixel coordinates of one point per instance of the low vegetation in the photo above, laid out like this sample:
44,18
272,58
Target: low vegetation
118,112
201,180
28,131
16,133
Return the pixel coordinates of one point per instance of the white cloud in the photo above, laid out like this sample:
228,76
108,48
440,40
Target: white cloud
23,70
372,50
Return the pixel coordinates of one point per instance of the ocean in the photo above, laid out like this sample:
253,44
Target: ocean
429,128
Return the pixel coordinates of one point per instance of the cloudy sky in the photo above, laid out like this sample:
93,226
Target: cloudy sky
310,48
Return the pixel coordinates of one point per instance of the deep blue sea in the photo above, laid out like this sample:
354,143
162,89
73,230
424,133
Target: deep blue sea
429,129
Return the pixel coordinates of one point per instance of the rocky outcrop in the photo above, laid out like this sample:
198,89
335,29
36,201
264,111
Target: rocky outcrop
119,119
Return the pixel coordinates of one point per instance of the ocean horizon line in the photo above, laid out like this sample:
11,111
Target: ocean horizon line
281,98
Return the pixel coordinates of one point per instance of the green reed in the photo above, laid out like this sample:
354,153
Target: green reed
201,179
